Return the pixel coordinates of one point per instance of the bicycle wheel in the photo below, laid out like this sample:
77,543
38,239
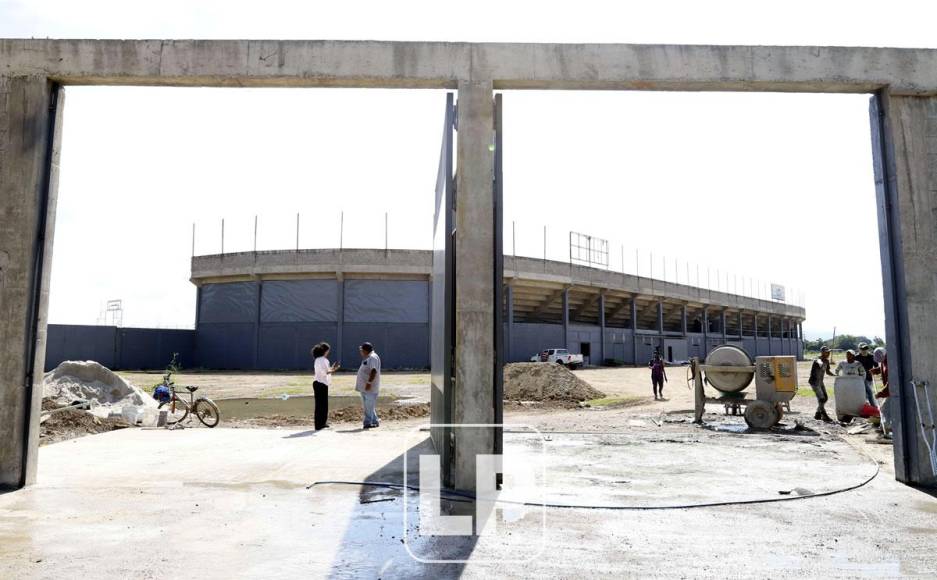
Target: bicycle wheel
207,412
178,410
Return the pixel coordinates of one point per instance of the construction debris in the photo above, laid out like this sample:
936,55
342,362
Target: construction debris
106,393
545,382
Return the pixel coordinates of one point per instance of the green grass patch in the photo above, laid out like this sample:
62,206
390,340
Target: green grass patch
290,389
614,401
808,391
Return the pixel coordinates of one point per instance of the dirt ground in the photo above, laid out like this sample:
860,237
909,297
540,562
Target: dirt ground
242,384
624,387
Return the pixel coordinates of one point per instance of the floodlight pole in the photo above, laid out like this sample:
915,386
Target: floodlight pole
297,231
222,236
255,234
341,231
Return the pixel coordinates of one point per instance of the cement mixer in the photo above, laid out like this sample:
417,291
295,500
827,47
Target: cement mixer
730,371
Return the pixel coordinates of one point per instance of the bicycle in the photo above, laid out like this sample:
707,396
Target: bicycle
178,409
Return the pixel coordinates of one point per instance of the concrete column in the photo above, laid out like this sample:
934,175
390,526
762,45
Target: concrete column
30,132
705,330
755,326
602,328
474,279
683,327
566,318
660,317
770,337
509,335
634,330
741,334
722,324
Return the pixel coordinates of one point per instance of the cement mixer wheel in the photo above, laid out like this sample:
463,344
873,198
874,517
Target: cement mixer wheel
762,414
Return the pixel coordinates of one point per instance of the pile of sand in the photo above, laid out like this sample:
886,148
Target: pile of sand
92,382
545,382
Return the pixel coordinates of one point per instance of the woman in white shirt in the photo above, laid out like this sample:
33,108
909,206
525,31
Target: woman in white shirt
320,386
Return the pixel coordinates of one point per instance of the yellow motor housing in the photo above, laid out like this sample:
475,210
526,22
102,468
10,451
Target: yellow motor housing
775,378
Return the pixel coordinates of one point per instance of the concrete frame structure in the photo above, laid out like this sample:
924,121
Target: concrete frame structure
546,304
904,119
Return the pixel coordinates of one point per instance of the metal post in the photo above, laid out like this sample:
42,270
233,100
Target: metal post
297,237
193,239
341,231
755,324
622,258
705,330
637,263
222,236
514,239
385,232
544,245
255,234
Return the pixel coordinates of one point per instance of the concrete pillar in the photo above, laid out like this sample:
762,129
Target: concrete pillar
509,333
660,317
741,334
566,318
474,279
705,330
30,129
634,330
755,327
683,327
722,324
602,328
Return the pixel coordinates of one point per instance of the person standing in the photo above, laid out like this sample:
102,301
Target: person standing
368,383
851,366
880,355
320,385
818,370
868,363
658,375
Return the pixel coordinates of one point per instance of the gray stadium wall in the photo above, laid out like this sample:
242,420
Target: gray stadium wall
273,324
119,348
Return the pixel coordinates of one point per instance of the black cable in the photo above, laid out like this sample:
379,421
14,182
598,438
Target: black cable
459,494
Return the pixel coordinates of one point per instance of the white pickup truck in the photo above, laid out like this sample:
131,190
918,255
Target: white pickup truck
559,356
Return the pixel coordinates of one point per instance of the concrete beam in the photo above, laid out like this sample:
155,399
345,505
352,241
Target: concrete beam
444,64
27,212
474,280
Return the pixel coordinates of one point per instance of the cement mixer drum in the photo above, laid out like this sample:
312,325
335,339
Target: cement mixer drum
729,381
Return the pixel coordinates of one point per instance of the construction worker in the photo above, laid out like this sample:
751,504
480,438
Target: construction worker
868,363
818,371
851,366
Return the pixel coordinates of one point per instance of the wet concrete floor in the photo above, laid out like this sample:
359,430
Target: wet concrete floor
225,503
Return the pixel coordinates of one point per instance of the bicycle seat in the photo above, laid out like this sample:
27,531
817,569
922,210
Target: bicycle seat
191,389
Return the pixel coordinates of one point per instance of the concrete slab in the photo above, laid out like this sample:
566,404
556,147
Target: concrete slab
233,503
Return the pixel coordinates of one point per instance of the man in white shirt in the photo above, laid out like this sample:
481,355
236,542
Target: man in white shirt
368,383
850,366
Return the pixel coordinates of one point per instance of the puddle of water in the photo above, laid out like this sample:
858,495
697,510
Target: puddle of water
248,408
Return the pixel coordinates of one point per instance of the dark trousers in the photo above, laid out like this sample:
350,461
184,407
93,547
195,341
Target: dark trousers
321,392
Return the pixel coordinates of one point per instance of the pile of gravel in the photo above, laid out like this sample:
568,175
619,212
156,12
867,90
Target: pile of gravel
545,382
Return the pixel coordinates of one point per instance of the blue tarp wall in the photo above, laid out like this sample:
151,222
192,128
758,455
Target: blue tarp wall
119,348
